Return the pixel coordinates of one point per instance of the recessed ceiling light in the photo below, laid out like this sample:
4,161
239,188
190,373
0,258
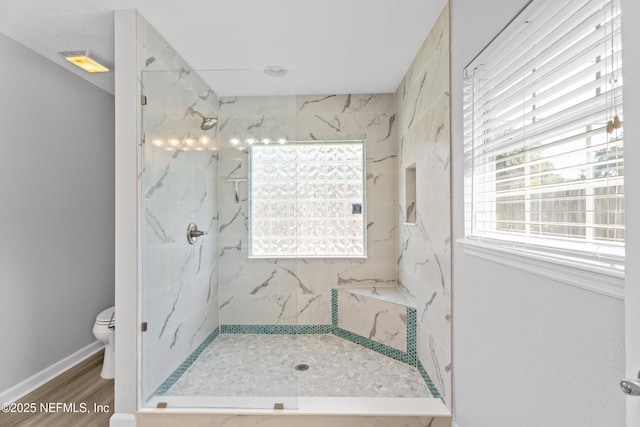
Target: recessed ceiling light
88,61
275,71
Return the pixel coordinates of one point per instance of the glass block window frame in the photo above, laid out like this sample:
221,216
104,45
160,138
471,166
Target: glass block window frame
307,200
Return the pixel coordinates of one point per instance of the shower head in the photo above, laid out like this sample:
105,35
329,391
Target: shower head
207,122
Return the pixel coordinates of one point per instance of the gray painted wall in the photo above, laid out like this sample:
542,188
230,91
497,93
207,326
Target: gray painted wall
527,351
57,211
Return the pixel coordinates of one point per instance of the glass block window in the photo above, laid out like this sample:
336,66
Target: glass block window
306,199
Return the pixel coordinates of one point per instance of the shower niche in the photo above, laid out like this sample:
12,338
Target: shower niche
410,194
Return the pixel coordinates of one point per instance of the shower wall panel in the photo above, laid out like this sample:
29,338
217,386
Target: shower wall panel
298,291
424,247
257,291
178,173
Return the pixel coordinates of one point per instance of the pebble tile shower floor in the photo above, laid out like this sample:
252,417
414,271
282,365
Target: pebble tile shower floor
264,365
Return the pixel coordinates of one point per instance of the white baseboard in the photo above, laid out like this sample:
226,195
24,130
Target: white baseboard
47,374
122,420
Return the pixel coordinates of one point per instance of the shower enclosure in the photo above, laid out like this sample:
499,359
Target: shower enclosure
265,273
236,289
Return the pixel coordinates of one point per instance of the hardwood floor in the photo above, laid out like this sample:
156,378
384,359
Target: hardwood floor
76,398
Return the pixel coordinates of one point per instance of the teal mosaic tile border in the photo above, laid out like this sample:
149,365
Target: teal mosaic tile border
383,349
175,375
334,308
412,336
275,329
430,385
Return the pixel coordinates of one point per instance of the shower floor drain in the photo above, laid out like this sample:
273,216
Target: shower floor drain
302,367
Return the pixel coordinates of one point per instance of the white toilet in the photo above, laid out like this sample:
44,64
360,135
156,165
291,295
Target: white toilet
104,331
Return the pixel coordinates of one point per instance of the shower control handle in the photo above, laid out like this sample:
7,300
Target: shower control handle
193,233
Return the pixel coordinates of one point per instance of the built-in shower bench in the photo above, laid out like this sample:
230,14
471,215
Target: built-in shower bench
380,318
390,294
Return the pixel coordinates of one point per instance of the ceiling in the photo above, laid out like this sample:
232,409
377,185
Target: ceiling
334,46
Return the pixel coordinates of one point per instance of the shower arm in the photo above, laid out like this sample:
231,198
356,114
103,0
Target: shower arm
194,112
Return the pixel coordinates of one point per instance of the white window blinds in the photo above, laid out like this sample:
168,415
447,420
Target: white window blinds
543,134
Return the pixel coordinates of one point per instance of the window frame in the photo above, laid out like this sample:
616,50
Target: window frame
564,262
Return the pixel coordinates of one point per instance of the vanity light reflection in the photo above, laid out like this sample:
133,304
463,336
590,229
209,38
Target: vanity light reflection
255,140
197,143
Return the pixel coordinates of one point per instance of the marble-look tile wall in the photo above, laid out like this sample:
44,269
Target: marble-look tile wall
177,186
289,291
424,248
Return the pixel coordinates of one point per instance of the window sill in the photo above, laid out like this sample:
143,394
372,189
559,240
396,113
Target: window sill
308,257
590,277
